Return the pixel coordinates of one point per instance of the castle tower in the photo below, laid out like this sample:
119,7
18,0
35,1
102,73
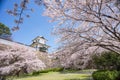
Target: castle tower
40,44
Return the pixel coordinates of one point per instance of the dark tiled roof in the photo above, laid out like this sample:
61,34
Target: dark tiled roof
40,37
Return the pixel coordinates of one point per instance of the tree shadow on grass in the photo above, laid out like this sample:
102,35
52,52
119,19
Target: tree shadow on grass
78,79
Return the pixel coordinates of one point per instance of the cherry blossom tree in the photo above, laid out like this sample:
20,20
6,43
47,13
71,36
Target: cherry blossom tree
85,27
88,22
83,24
16,60
74,58
94,21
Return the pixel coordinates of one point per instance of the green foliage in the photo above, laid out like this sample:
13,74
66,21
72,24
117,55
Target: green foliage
5,31
43,49
107,61
48,70
74,79
105,75
70,70
36,73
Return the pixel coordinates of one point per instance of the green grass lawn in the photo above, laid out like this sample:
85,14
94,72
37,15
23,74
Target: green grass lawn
58,76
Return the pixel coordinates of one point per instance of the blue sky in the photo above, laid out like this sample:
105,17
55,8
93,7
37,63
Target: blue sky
36,25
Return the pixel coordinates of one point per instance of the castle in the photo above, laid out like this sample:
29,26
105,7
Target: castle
39,43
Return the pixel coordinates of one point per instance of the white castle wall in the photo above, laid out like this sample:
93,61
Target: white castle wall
12,43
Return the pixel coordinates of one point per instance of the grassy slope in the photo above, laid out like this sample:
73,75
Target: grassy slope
58,76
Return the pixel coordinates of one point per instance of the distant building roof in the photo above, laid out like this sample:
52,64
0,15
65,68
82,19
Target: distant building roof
40,37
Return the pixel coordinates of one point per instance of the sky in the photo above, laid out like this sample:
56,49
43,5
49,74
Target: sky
36,25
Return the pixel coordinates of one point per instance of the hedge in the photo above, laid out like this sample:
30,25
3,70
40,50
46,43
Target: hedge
105,75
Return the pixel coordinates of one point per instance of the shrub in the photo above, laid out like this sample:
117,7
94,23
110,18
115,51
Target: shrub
56,69
43,49
107,61
105,75
36,73
48,70
70,70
